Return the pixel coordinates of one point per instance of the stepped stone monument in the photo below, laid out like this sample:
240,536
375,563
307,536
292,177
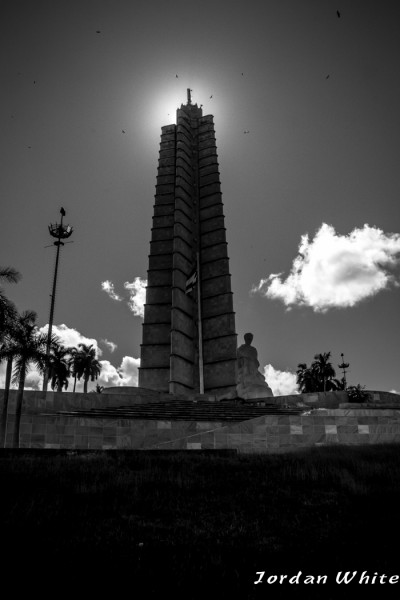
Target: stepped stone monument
189,337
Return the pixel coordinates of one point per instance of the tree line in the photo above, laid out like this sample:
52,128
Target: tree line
321,377
21,345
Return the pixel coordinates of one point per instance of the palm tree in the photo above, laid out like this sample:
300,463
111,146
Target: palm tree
86,365
7,308
319,377
323,369
25,347
59,366
8,314
7,384
73,363
306,379
98,389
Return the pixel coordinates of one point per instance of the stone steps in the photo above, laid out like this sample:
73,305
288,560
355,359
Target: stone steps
184,410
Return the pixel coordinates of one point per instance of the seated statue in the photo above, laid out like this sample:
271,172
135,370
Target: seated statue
251,383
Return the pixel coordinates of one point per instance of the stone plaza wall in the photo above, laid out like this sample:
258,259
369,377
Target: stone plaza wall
283,433
44,426
272,433
327,419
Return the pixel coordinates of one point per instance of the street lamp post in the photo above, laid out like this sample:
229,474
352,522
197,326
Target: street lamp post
344,366
60,232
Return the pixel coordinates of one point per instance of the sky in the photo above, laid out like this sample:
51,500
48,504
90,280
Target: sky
310,191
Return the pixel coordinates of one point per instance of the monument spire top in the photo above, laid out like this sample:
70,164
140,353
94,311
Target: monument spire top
189,96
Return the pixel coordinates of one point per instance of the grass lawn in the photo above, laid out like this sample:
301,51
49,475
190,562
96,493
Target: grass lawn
199,525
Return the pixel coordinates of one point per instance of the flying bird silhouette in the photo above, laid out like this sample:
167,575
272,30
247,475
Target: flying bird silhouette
176,75
246,131
98,31
338,14
123,131
327,77
211,96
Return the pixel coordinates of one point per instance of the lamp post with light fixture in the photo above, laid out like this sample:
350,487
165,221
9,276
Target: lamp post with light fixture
344,366
60,232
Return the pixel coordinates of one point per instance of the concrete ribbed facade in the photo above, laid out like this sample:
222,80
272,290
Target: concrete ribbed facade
188,233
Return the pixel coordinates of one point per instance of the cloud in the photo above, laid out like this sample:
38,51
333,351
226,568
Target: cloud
71,337
336,271
282,383
137,294
109,345
137,291
125,375
108,287
33,380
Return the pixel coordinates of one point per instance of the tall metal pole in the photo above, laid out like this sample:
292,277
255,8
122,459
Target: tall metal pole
59,232
344,366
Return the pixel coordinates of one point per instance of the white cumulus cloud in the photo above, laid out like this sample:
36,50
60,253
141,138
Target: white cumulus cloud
108,287
282,383
335,270
110,345
124,375
137,292
71,337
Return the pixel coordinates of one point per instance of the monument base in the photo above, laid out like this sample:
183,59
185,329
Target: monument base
252,391
131,391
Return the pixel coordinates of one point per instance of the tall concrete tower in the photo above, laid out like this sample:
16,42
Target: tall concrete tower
189,337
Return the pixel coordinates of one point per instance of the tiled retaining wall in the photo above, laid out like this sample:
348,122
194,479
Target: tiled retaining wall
88,433
282,433
272,433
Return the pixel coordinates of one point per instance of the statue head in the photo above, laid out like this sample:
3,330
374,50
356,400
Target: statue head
248,338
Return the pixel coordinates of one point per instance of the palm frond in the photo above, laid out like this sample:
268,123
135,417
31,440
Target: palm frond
10,275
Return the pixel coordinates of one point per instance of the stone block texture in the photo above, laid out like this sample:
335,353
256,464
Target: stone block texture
188,234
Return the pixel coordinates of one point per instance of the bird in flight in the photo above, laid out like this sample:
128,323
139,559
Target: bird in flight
98,31
338,14
123,131
327,77
242,73
246,131
176,75
211,96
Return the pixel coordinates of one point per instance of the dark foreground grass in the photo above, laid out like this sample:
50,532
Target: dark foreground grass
201,525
